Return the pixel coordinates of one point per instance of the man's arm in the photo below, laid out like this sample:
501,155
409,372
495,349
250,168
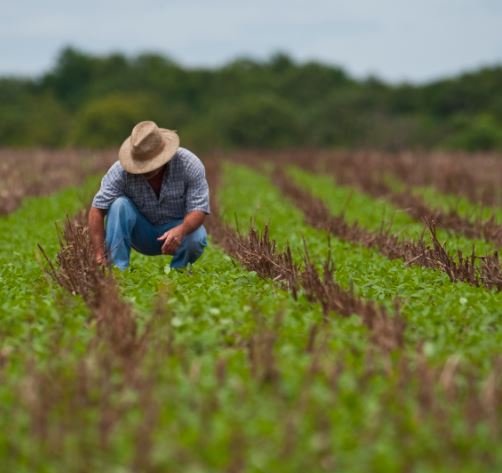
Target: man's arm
112,187
197,205
173,238
192,221
96,222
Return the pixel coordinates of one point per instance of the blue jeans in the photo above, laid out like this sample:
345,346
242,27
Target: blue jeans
126,227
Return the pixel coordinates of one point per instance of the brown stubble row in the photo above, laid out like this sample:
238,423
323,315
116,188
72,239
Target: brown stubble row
374,185
474,227
76,270
488,273
92,384
432,389
258,252
40,172
117,347
475,176
368,172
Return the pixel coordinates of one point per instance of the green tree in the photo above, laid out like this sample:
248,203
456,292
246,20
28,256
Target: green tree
72,77
259,121
30,119
108,121
479,133
89,100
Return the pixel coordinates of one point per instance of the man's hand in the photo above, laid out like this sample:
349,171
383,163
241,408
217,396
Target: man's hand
172,239
96,221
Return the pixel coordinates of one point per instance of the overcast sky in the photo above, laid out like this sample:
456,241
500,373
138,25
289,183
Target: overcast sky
415,40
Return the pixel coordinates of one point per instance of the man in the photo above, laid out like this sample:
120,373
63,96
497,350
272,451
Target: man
155,199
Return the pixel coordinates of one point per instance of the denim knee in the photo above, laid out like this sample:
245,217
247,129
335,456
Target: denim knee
121,216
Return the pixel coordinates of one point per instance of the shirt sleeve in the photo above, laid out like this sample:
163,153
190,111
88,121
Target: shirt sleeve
112,186
197,193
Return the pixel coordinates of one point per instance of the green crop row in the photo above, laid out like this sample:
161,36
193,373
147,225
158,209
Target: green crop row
29,305
465,207
453,318
460,204
214,306
375,214
233,386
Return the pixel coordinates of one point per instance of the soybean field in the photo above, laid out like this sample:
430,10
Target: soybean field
345,317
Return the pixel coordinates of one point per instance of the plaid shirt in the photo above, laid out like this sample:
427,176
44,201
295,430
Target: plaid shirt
184,189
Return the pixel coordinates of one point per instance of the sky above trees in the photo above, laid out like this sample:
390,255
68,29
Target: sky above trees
394,39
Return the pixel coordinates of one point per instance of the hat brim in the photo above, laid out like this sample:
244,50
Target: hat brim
137,166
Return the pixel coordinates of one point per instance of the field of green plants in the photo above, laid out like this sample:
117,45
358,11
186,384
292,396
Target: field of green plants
345,317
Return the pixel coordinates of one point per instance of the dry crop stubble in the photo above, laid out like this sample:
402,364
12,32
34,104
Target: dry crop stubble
40,172
259,253
412,382
76,270
368,172
117,347
475,176
487,273
488,230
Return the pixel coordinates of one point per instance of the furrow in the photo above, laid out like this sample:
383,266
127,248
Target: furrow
242,383
415,206
462,268
114,365
77,271
478,177
370,178
434,307
257,252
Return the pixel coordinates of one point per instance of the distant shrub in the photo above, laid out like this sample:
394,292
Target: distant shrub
259,121
108,121
479,133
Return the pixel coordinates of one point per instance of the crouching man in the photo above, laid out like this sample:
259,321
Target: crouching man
155,199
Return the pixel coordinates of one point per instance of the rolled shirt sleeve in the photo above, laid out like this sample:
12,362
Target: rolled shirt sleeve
112,186
197,193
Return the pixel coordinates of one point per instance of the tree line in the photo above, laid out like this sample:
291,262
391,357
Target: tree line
92,102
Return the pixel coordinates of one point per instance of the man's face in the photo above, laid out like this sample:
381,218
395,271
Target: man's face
152,174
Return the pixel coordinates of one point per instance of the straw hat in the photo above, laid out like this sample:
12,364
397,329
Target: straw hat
148,148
